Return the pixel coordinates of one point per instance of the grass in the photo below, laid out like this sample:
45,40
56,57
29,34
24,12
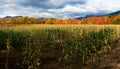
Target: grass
63,44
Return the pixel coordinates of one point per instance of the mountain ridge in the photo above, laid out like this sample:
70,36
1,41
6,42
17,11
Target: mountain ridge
13,16
79,18
109,14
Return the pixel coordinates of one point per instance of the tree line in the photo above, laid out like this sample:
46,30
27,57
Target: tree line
91,20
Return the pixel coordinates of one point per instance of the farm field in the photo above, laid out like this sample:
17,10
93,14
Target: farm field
37,46
59,34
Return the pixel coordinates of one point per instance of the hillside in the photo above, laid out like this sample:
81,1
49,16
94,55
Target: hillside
110,14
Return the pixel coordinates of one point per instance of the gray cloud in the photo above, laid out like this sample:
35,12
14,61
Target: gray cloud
46,4
54,8
37,8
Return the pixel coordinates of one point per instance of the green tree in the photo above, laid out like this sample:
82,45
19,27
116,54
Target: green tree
117,21
49,21
24,20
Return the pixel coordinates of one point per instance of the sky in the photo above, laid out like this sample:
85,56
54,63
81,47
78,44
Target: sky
57,8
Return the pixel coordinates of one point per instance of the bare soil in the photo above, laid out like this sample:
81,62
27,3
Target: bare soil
110,60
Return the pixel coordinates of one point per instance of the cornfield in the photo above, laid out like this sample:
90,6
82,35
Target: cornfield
63,44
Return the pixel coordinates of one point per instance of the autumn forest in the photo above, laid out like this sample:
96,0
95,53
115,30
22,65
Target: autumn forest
101,20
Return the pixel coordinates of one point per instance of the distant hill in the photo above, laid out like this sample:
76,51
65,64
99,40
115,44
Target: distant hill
13,16
110,14
114,13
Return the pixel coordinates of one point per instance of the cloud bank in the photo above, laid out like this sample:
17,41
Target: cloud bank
57,8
